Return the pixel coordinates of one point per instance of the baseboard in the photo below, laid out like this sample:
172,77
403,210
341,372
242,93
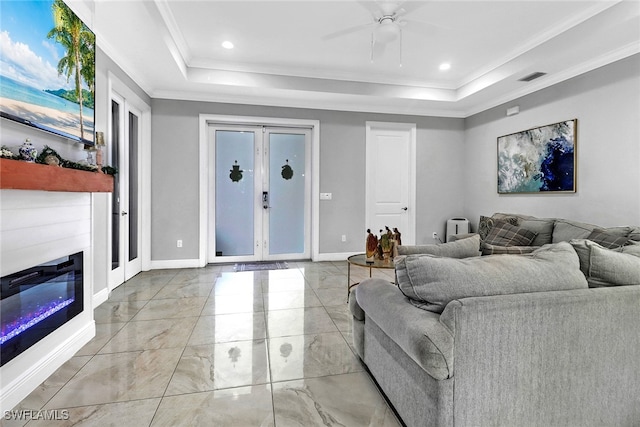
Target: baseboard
175,263
14,392
335,256
100,297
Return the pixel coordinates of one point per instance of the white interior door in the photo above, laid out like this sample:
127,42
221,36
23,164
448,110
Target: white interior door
390,178
123,152
260,203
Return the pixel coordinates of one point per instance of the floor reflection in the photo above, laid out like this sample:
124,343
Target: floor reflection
212,346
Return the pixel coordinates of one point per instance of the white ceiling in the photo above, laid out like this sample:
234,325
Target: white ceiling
283,55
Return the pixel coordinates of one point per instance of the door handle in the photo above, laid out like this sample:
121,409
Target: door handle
123,213
405,208
265,200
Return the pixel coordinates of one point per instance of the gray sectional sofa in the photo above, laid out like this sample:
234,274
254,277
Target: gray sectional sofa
549,338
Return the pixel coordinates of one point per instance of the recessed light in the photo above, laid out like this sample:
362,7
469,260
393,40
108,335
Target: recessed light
227,44
445,66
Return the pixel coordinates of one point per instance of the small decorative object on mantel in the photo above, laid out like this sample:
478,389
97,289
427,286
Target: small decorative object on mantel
49,156
5,153
99,146
372,244
28,152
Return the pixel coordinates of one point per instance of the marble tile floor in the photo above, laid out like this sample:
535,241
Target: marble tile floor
214,347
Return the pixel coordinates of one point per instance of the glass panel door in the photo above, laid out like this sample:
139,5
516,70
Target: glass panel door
115,198
133,187
234,193
261,194
125,132
287,193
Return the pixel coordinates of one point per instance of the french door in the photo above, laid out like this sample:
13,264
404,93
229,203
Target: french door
260,187
124,148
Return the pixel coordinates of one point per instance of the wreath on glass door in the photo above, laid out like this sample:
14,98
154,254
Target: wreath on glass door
236,172
287,172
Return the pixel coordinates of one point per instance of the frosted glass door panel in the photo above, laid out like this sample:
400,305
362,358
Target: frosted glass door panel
234,193
286,193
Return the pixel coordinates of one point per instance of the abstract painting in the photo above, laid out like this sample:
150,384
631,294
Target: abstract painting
539,160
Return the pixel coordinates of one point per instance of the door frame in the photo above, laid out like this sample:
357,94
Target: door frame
205,120
124,93
408,236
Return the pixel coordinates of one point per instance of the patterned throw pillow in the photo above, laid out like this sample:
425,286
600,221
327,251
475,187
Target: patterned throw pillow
607,240
505,234
486,224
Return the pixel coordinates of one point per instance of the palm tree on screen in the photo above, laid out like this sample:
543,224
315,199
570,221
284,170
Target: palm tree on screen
79,43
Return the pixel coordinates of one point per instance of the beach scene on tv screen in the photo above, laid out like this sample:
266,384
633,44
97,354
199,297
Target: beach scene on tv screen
47,68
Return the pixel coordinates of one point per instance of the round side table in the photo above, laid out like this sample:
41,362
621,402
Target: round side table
361,261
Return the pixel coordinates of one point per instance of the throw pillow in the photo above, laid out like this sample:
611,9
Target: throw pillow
610,268
462,248
432,282
505,234
488,249
486,223
565,230
543,227
607,239
584,248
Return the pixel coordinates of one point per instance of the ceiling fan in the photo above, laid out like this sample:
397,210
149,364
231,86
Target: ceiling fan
387,25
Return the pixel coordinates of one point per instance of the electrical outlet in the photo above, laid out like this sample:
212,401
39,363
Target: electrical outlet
179,243
344,237
435,236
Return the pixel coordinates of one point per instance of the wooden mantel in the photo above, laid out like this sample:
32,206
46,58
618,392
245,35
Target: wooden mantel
19,175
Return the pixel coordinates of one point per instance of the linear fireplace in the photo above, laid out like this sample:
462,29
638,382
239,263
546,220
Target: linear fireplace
36,301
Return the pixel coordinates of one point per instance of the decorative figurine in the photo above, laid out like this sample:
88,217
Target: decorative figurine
372,244
397,236
385,243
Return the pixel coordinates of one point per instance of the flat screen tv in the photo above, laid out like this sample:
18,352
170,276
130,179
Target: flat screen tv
47,68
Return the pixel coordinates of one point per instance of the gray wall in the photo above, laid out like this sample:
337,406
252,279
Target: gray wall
174,199
606,103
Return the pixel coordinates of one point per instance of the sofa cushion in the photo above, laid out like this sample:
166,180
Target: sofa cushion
605,270
432,282
462,248
634,234
505,234
543,227
565,230
488,249
486,223
614,268
607,239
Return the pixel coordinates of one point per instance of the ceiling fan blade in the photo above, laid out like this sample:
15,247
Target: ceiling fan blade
426,28
347,31
407,7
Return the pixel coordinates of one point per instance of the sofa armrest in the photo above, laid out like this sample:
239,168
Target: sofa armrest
572,347
418,332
